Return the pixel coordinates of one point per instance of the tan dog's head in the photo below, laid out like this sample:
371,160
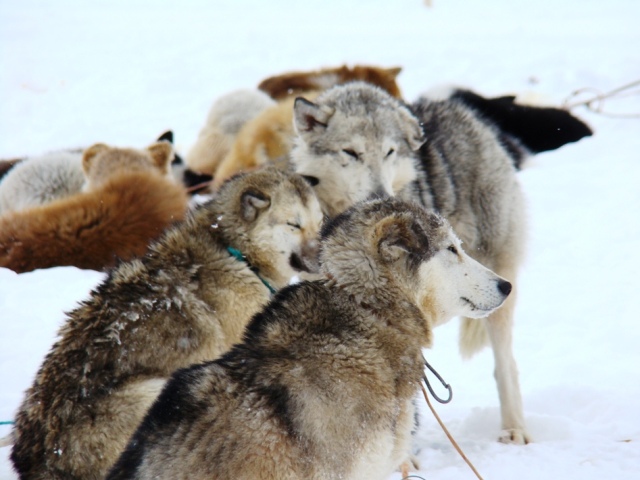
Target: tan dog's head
354,142
381,247
274,219
101,162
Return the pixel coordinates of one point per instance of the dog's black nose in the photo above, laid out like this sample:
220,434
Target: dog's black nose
504,287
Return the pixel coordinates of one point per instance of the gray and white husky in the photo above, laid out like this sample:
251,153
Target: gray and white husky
356,141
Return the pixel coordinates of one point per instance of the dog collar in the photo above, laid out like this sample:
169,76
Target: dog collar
237,254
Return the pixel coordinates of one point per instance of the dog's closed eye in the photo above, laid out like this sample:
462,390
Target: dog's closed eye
351,153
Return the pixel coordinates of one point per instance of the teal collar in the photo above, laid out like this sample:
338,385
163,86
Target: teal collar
237,254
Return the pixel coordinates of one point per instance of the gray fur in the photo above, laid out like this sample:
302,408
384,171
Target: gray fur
462,171
323,384
187,300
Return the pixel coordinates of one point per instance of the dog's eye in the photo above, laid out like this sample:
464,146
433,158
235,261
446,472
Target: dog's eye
351,153
294,225
453,250
390,152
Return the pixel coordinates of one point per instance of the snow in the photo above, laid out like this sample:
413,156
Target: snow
123,71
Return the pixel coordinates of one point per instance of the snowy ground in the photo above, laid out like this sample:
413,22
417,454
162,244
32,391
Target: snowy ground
122,71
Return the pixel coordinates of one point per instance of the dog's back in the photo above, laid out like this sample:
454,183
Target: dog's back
95,229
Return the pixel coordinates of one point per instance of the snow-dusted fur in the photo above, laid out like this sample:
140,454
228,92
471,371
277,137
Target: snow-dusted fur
187,300
324,382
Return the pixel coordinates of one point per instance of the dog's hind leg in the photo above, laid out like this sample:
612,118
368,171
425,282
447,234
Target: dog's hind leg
500,330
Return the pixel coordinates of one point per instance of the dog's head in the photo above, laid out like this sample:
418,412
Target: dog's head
274,219
101,162
385,246
354,142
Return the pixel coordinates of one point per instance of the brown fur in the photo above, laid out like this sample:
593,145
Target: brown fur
186,301
293,84
131,202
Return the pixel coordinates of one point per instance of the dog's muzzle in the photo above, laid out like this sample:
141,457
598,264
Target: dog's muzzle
308,259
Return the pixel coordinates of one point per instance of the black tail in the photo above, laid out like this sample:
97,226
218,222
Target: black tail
538,129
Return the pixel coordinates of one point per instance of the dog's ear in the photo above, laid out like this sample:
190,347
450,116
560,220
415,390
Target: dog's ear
395,237
393,72
411,129
309,117
253,202
90,153
166,136
161,154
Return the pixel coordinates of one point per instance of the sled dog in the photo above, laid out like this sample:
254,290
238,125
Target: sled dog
40,180
187,300
129,198
323,384
356,141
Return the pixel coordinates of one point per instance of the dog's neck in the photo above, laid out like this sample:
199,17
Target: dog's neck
388,304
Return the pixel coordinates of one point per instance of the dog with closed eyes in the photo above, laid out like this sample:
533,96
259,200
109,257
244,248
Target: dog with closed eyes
322,385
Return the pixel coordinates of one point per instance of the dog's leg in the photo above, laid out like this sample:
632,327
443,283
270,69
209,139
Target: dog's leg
404,468
499,328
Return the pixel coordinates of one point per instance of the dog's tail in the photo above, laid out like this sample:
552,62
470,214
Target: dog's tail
473,336
6,440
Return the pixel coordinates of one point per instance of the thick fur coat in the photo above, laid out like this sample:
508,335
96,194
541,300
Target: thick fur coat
129,200
187,300
323,384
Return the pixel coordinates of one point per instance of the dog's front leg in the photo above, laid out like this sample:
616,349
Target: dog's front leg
500,329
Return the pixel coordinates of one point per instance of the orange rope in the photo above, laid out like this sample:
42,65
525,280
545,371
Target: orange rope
453,442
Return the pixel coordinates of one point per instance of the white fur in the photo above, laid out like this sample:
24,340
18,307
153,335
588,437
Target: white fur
40,180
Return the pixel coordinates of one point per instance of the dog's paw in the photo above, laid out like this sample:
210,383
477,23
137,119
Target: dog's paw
514,436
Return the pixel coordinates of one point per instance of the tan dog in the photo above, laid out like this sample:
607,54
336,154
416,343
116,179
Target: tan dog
130,199
187,300
266,139
323,384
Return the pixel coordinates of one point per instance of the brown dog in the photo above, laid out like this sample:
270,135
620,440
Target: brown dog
130,199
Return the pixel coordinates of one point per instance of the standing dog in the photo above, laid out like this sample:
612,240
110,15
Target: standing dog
324,382
356,141
187,300
130,197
